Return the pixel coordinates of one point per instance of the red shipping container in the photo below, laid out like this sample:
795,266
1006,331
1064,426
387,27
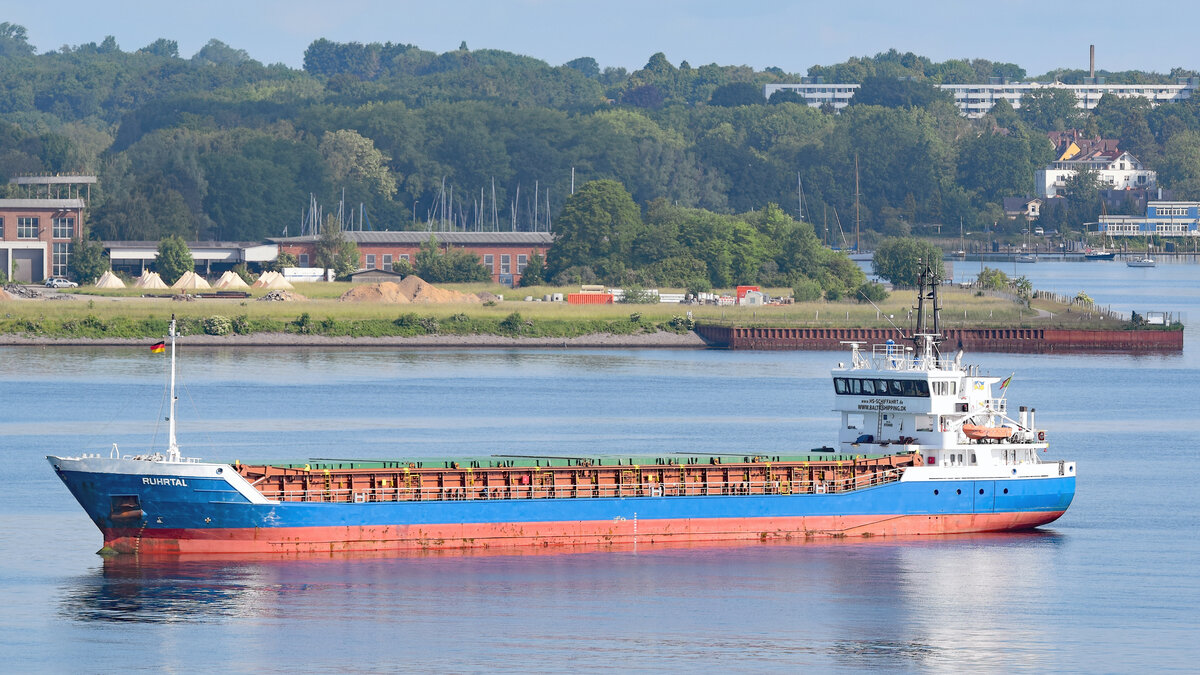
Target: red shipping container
742,290
589,298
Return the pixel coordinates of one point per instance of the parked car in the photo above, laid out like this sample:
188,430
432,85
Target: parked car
59,282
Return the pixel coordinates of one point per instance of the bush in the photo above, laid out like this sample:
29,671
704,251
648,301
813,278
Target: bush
681,324
244,272
806,290
872,291
409,320
694,287
513,323
993,280
241,324
636,295
402,266
833,294
217,325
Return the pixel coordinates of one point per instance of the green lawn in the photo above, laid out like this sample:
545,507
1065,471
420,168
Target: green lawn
121,313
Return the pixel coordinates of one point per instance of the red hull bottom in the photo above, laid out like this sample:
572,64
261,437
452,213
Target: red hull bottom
546,534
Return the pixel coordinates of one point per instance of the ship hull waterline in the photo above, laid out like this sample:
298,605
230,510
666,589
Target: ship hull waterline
359,538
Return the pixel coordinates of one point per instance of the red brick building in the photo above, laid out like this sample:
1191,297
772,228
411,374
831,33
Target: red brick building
504,254
35,237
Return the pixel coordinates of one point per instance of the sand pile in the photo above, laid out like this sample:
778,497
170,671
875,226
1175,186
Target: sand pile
4,296
412,289
387,291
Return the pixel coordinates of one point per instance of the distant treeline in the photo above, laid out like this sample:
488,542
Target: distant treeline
219,146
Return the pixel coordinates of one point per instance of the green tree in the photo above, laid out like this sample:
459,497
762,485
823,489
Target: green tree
334,251
162,47
1051,109
1180,169
14,41
1082,196
992,280
891,92
736,94
597,227
535,271
87,261
453,265
900,260
174,259
218,53
353,157
996,165
787,96
284,259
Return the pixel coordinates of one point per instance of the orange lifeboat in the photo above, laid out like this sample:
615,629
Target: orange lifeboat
978,432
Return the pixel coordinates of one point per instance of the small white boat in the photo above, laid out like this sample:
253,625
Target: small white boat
1141,262
1027,258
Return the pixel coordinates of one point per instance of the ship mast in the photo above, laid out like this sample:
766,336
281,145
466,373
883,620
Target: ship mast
172,444
927,289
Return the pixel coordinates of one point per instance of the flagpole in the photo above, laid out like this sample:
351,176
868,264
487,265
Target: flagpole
173,446
1004,386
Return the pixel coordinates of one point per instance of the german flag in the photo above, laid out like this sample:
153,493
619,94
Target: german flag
158,347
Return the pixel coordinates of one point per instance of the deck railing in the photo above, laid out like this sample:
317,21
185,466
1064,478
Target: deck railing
584,491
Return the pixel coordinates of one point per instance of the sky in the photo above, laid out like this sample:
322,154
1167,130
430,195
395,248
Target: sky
1039,36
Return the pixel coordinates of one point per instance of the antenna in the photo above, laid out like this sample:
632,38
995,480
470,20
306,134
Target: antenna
884,315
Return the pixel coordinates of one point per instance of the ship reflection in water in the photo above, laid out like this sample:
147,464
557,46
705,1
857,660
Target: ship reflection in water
859,603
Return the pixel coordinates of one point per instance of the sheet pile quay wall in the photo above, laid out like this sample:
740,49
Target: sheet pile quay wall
1032,340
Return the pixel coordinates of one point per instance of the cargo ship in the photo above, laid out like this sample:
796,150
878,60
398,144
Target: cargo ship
925,446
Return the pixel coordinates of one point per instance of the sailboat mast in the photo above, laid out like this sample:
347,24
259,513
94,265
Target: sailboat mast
172,443
856,216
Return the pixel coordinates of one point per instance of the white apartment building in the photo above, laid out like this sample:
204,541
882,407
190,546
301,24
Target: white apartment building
975,100
1120,172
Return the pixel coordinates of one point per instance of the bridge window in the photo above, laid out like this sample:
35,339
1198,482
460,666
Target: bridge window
871,387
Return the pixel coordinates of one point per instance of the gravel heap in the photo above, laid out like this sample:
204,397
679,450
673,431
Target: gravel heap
281,296
19,291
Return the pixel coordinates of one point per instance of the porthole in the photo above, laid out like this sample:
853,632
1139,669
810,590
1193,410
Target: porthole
935,493
958,492
980,490
1005,490
219,469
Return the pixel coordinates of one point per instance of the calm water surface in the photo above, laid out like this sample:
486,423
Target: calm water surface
1114,586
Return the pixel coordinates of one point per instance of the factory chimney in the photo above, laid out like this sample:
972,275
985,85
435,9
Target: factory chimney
1092,62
